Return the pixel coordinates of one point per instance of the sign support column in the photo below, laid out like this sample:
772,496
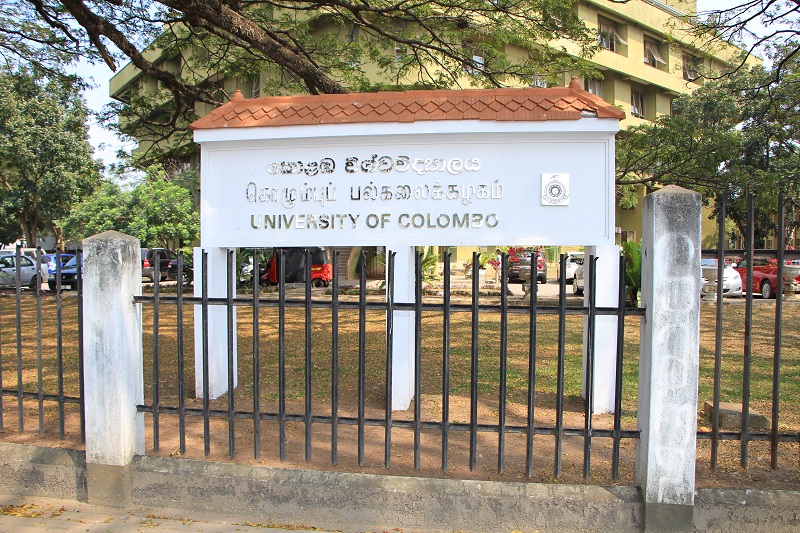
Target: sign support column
403,340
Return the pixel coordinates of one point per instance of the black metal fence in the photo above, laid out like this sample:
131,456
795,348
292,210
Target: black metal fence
47,365
505,375
433,318
779,281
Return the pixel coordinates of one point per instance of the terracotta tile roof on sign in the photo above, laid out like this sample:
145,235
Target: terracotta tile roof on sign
530,104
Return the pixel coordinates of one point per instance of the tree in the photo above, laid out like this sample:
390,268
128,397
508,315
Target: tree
314,47
158,211
46,163
757,26
162,212
733,136
106,209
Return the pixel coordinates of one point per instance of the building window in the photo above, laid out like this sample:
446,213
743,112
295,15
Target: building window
594,87
637,104
652,54
400,51
609,36
539,82
254,86
691,68
477,65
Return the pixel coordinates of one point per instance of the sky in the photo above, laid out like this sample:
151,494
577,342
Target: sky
106,144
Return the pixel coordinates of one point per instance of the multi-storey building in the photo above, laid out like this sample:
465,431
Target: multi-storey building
647,59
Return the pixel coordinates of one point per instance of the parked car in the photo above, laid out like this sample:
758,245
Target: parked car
578,281
523,260
69,276
574,260
27,270
765,277
731,280
149,261
188,269
50,259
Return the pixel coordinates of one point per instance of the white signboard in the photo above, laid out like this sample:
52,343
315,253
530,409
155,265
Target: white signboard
456,189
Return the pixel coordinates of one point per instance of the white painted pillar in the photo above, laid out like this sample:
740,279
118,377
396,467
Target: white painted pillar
217,324
605,336
113,376
403,340
669,358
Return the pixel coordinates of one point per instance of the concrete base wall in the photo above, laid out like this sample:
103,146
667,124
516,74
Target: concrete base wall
355,502
38,471
359,502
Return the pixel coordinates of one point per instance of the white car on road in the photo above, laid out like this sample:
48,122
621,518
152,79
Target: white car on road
574,260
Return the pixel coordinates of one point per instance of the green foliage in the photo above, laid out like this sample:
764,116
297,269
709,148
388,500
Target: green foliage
430,265
633,271
733,136
185,48
106,209
162,213
46,164
158,212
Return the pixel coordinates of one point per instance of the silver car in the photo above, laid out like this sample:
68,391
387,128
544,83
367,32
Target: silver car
27,271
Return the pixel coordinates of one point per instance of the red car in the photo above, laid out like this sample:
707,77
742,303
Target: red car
765,277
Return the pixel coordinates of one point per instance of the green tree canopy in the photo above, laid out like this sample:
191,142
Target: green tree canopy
46,163
186,46
733,136
158,211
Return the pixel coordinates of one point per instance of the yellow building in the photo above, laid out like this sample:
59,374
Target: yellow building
647,59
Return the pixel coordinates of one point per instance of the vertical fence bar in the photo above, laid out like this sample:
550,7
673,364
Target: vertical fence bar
156,316
589,403
1,375
40,385
19,343
307,371
473,384
501,422
60,342
618,374
776,361
181,358
256,356
748,332
387,439
562,328
532,331
230,293
335,362
417,357
362,353
81,390
723,206
446,364
206,376
281,352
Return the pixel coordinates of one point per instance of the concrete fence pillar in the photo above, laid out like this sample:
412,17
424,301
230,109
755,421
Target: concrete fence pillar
113,377
669,358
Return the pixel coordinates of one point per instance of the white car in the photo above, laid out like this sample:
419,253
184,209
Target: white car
27,274
574,260
731,280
